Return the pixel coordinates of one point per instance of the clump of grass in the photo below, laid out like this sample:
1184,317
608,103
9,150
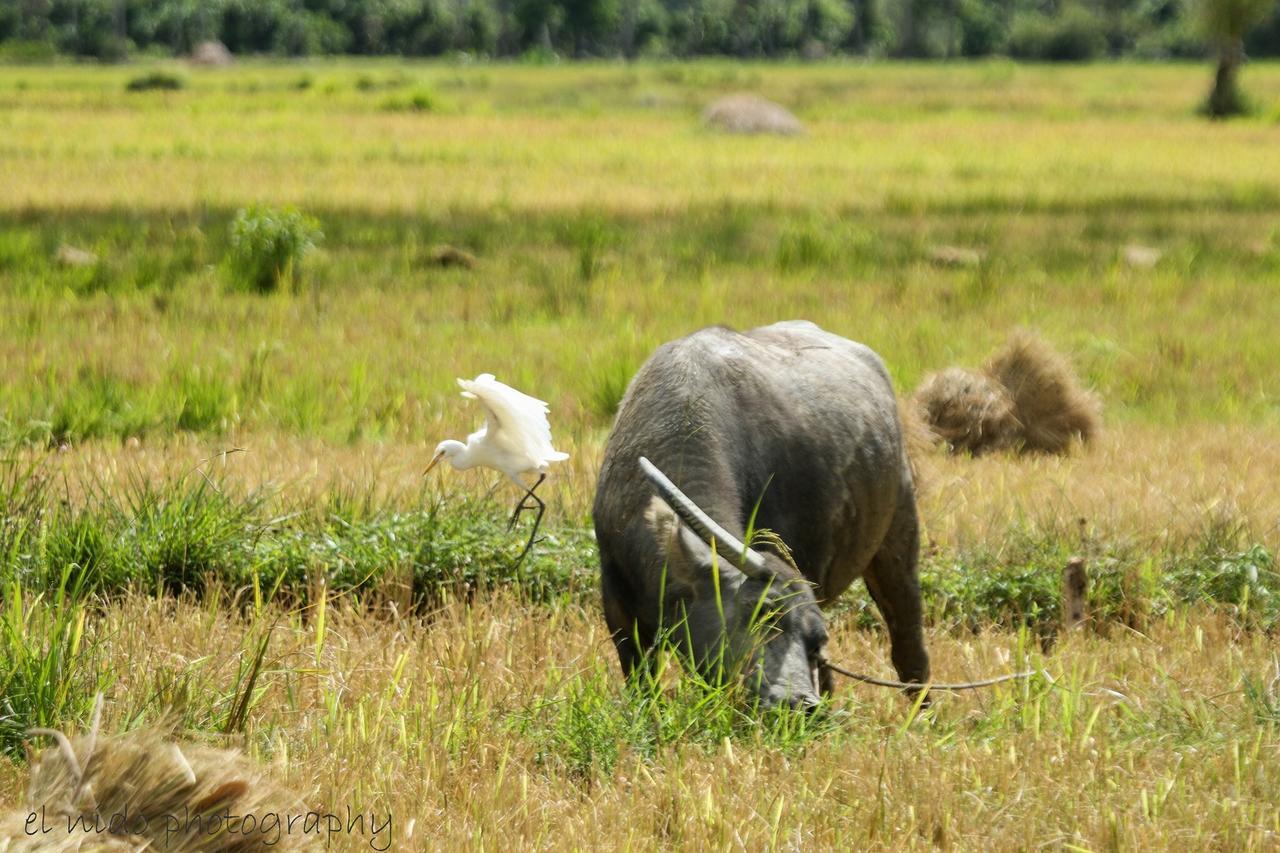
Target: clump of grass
268,246
47,672
805,247
95,403
155,81
178,537
417,101
589,237
589,724
609,384
206,401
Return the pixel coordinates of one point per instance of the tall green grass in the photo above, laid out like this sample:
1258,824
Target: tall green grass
48,666
182,535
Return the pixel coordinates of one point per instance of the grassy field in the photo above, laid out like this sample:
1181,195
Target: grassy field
215,477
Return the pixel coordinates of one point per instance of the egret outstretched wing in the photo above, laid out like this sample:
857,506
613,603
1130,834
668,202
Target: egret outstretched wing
515,420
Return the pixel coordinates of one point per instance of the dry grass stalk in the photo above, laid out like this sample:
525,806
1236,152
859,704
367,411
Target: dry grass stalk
1048,400
146,791
968,410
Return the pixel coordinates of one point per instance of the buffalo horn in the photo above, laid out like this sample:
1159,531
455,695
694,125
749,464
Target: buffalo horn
729,546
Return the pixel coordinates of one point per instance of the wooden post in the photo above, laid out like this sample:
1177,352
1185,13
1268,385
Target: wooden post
1075,585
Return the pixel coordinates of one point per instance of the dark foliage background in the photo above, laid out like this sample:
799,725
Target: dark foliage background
1062,30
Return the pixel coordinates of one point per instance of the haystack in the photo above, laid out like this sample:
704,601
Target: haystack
1141,257
144,790
751,114
968,410
956,256
70,256
211,53
1048,400
919,439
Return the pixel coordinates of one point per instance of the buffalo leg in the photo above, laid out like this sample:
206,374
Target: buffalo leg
633,644
895,587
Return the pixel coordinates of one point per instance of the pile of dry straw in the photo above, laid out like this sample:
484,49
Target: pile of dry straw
145,791
1026,398
751,114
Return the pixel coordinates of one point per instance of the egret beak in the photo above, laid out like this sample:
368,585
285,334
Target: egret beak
434,460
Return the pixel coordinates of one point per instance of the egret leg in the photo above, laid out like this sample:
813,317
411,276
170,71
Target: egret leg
524,502
541,508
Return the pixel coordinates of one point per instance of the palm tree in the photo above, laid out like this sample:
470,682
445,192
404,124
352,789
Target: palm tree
1226,22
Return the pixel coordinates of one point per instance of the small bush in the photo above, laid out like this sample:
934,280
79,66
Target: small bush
268,245
155,81
418,101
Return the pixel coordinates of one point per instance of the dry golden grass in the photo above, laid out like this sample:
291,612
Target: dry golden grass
1144,742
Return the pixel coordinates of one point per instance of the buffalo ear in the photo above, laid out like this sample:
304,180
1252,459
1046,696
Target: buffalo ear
698,553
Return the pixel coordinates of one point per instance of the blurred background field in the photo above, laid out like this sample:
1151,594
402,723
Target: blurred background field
166,428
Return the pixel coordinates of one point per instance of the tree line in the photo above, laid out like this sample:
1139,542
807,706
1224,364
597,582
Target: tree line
1067,30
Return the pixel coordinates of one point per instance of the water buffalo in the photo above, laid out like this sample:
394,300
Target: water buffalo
797,425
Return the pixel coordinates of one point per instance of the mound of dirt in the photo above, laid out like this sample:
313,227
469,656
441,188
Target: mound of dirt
445,255
968,410
161,794
1048,400
212,54
1026,398
751,114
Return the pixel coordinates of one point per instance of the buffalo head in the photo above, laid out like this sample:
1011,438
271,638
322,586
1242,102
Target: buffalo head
761,619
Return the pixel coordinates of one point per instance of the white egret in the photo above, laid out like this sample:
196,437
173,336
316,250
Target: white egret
515,439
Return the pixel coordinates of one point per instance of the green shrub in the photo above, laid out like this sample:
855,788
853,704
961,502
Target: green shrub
268,245
155,80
